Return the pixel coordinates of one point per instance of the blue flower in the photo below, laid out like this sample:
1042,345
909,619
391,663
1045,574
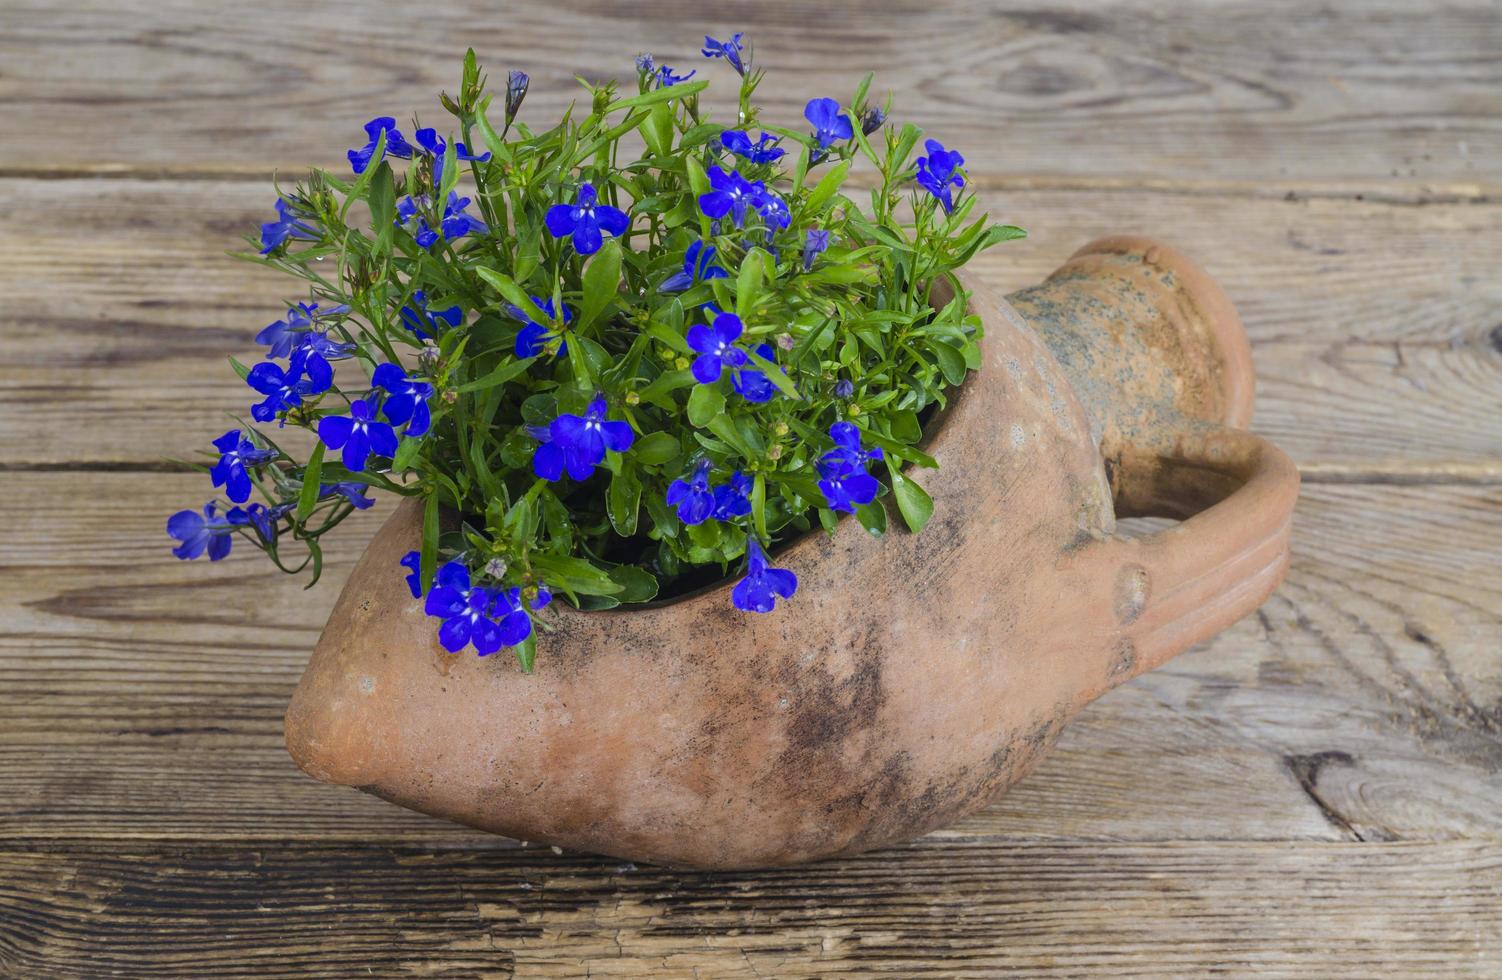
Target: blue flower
516,91
454,224
465,611
352,492
236,453
759,590
816,242
729,50
264,519
733,499
667,79
292,334
698,266
872,120
426,323
774,214
845,483
396,144
847,446
764,150
645,64
285,390
515,625
730,194
358,434
716,347
939,170
586,220
542,598
533,338
201,532
578,443
412,561
435,146
288,224
751,383
693,497
845,486
407,399
829,122
844,389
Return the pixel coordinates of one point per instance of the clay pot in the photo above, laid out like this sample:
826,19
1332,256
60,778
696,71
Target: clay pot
914,677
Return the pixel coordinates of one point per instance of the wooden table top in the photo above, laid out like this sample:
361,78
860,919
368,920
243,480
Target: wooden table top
1316,793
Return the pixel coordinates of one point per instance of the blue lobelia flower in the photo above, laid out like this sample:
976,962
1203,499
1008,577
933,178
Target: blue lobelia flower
816,242
764,150
645,64
426,323
846,486
847,446
288,224
358,434
516,91
698,266
514,623
667,79
291,334
774,213
759,590
716,347
577,443
752,383
533,338
264,519
733,499
236,454
586,220
730,194
542,598
201,532
396,144
457,224
352,492
406,399
465,611
693,497
829,122
286,389
729,50
938,171
435,146
412,562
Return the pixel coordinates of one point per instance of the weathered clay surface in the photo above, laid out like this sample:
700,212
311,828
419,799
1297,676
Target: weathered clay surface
912,679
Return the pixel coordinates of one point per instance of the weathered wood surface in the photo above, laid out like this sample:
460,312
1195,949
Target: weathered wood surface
1249,89
142,697
936,908
1317,792
1375,323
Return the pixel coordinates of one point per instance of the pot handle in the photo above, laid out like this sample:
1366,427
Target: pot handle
1176,587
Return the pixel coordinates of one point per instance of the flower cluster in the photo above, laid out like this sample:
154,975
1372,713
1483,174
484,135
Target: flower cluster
603,377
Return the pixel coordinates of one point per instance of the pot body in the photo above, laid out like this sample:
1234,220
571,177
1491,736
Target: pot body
912,678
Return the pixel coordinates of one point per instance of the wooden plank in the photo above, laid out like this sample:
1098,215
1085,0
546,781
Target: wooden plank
933,909
1246,89
141,698
1374,323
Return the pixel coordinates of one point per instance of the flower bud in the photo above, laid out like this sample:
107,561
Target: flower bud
781,428
633,398
496,568
450,396
775,452
855,408
844,389
516,91
428,357
785,341
871,120
681,364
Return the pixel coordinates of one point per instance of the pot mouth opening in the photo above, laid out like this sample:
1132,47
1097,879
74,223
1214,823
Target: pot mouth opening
932,420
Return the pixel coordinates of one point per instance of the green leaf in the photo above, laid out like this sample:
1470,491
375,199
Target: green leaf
602,279
913,501
309,495
526,652
429,562
575,575
240,369
723,426
383,206
655,448
951,361
513,293
499,376
624,500
637,584
704,404
748,284
680,91
826,186
759,504
873,518
775,374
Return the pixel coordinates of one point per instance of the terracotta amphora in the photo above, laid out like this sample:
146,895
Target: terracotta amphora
914,677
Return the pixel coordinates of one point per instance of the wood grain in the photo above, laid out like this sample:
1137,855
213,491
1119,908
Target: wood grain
1247,89
1375,324
141,698
930,909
